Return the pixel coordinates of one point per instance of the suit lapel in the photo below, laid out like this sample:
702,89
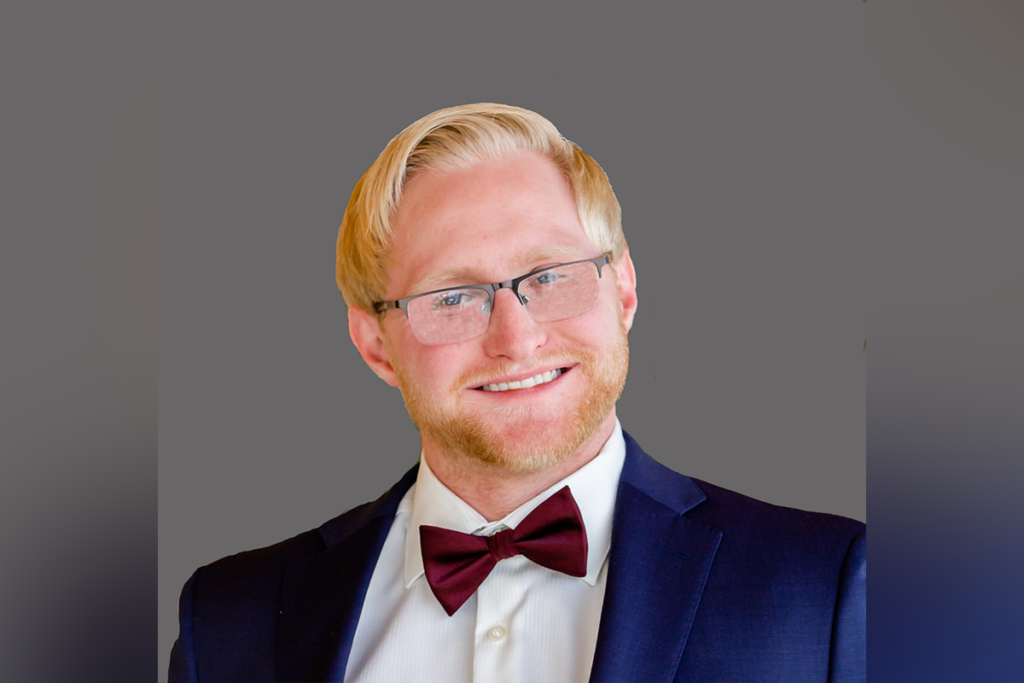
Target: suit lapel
658,565
322,596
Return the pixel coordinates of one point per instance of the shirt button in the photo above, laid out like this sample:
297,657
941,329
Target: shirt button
497,633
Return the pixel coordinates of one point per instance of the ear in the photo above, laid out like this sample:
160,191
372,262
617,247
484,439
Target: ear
625,277
366,334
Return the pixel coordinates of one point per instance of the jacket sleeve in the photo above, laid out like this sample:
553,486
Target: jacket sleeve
183,661
848,655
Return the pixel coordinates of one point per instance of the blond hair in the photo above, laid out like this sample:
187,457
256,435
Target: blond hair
452,139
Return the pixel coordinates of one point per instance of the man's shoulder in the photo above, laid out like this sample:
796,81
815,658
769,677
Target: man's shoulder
234,604
722,508
787,546
757,523
258,563
752,531
237,598
272,560
252,577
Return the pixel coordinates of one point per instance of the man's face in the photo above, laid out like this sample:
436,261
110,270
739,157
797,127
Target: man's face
491,223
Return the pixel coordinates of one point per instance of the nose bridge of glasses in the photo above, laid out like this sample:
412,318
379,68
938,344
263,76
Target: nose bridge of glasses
512,285
512,309
511,329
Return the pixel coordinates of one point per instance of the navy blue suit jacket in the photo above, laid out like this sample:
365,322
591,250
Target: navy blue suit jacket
703,585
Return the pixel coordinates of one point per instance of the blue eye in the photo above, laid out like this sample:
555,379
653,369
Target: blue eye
455,302
547,278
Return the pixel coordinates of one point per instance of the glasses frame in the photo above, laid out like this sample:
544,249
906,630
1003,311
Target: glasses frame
492,288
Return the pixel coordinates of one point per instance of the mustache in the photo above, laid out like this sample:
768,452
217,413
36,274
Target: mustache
563,358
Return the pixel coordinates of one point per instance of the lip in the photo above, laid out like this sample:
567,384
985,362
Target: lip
526,375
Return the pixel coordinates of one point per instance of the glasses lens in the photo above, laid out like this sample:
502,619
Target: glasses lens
562,292
450,316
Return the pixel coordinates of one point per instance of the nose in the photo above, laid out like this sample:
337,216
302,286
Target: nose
511,332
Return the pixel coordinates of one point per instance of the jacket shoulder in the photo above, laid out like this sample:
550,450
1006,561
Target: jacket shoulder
732,513
229,609
774,550
252,577
739,513
245,571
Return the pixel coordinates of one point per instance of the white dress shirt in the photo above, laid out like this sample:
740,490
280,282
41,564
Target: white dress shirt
525,624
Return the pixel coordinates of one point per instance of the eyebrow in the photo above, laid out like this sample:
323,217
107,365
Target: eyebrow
466,277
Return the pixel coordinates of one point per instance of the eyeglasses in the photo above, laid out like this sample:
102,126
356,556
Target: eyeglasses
446,316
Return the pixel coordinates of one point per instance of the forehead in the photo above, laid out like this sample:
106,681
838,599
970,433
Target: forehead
491,222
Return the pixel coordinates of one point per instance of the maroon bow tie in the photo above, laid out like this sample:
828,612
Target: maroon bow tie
552,535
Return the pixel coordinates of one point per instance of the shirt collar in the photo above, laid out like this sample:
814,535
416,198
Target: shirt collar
593,487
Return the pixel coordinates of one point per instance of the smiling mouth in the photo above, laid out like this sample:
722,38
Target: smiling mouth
536,380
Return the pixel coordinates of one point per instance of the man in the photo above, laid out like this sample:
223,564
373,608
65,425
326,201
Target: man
483,264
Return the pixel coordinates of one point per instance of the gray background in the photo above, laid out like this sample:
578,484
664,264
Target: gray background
736,147
934,106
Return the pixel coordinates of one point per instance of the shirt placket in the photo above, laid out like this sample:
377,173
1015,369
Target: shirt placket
497,640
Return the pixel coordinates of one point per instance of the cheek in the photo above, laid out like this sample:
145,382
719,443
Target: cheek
436,367
595,329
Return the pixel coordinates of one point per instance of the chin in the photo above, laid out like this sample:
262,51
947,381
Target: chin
531,445
519,439
523,438
516,446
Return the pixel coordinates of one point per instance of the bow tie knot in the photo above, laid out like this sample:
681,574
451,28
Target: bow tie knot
552,536
502,545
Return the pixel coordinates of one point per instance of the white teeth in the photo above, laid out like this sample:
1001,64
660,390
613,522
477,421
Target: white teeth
542,378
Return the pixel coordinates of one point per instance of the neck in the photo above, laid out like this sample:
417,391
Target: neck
495,491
